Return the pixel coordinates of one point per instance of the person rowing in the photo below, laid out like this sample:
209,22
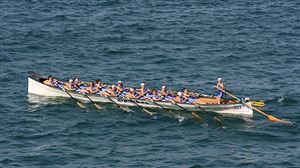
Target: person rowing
112,91
51,81
193,99
120,87
154,96
186,94
188,98
142,92
91,89
99,86
163,92
221,95
179,98
78,85
132,94
169,97
121,90
69,85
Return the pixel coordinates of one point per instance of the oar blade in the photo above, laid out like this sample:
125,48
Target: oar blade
127,109
80,104
98,106
274,119
148,112
196,115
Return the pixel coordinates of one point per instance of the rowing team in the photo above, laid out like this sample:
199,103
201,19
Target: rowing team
131,93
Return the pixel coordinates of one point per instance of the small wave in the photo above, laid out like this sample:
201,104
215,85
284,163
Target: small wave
286,100
6,161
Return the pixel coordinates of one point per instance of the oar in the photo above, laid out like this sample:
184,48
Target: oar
180,118
96,105
127,110
77,102
209,113
145,110
270,117
193,113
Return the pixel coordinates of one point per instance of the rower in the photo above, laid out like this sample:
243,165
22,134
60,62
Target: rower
179,98
163,92
91,89
69,86
186,94
169,97
51,81
77,84
99,86
111,91
188,98
120,87
193,99
142,91
132,94
154,96
221,94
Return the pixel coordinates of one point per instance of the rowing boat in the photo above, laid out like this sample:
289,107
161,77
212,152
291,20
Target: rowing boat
37,87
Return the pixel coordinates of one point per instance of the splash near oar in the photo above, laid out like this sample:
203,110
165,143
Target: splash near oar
270,117
180,118
184,109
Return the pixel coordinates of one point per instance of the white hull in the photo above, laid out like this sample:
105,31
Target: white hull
38,88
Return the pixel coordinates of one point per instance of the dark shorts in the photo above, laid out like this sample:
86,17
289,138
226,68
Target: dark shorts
221,95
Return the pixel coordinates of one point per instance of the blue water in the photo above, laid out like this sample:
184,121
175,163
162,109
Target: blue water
253,45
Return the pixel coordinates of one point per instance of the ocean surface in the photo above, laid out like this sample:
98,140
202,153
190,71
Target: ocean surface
253,45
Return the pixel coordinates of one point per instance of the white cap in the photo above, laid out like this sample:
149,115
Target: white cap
142,84
119,81
70,80
179,94
219,79
163,87
112,86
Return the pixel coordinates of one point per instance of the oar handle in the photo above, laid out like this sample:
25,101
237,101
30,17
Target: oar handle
270,117
228,93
